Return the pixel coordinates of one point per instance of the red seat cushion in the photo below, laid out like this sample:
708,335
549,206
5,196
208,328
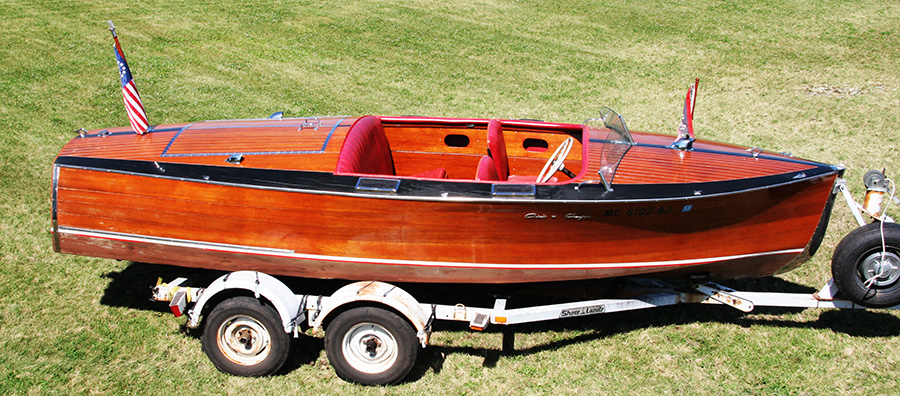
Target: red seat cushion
437,173
486,170
366,149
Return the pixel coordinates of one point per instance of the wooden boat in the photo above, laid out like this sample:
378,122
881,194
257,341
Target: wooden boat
417,199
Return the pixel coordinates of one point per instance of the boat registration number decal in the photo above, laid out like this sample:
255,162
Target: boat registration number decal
594,309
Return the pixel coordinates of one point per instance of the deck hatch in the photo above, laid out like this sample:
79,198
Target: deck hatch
214,138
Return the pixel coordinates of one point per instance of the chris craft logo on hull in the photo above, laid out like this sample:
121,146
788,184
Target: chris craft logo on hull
609,213
568,216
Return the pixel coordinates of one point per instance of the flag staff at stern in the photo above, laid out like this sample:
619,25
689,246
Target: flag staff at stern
133,106
685,139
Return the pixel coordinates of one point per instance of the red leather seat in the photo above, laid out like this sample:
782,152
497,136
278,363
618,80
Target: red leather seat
486,169
436,173
366,149
500,159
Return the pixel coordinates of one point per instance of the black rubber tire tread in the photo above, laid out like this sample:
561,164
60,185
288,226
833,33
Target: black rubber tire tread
266,315
400,329
856,246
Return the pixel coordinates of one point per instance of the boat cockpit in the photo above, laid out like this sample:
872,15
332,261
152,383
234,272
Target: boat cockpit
495,151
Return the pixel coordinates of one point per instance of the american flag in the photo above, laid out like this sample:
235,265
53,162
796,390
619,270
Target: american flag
686,128
133,106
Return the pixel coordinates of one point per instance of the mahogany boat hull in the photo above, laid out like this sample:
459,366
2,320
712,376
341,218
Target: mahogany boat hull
328,224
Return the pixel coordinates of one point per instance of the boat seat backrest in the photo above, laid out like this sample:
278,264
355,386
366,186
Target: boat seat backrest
498,149
366,149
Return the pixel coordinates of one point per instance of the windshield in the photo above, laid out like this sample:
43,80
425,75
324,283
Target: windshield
611,132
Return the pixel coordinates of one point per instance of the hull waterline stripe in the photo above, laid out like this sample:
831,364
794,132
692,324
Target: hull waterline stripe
285,253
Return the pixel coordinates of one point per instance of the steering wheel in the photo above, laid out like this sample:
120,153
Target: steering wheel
556,162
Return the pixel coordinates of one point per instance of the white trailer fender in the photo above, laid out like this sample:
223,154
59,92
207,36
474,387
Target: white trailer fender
378,292
282,298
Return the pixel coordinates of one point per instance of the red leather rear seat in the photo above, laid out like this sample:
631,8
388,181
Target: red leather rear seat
366,149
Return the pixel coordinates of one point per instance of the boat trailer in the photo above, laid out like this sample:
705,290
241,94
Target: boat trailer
373,329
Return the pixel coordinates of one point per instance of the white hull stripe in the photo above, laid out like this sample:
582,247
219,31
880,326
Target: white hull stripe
285,253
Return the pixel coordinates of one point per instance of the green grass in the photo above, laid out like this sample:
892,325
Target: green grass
817,78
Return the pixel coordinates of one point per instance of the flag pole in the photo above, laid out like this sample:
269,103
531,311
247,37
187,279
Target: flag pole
693,102
134,108
112,29
685,138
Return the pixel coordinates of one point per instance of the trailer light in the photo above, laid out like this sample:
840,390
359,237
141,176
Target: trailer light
500,319
179,303
479,322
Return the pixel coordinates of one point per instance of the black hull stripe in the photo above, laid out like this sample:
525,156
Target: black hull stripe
435,190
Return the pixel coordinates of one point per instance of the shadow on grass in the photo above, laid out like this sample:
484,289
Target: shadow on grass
856,323
131,288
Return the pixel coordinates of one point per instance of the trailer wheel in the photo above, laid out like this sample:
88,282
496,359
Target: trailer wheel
863,271
371,346
244,337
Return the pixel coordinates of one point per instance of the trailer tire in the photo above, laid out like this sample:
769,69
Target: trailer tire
371,346
244,337
862,272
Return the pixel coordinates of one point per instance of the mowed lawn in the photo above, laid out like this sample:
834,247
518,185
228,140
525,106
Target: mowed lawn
820,79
